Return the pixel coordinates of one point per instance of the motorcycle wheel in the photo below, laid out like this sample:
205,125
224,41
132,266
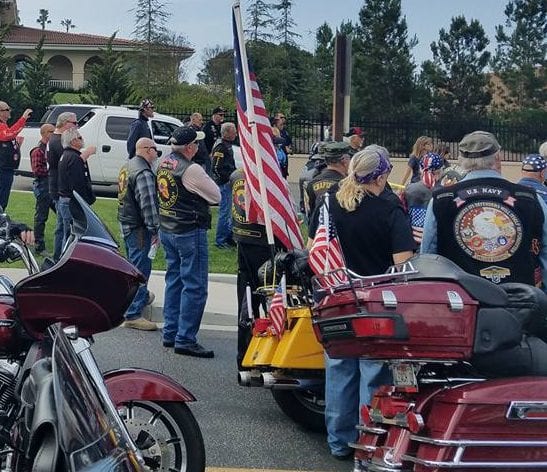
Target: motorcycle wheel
167,435
305,407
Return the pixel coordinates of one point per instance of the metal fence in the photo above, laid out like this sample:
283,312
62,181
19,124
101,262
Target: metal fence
399,136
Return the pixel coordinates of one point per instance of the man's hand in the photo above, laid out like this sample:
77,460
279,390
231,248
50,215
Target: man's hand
88,152
27,113
19,140
27,237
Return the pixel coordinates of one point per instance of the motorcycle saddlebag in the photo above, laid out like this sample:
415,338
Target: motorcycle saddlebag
422,319
492,425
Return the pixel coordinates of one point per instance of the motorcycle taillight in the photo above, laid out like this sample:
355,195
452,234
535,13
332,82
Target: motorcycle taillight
374,327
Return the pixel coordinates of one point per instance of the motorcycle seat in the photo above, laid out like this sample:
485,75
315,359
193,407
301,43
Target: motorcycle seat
436,267
529,305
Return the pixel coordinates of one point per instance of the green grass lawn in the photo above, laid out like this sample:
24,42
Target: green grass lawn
21,208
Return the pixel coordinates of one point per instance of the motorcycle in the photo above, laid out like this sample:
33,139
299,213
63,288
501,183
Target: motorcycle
469,387
292,365
141,412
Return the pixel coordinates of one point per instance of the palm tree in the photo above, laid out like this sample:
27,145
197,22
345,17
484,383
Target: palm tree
43,18
67,23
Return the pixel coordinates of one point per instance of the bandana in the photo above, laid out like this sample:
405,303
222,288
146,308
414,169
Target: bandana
383,168
429,164
534,163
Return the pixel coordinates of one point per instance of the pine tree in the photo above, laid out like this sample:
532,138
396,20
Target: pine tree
9,92
284,23
260,20
456,76
109,82
43,18
36,88
520,58
150,27
382,79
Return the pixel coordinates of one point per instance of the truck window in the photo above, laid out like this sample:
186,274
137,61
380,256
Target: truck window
53,112
162,131
117,127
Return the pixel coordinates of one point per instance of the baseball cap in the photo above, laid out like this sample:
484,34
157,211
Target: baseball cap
336,150
533,163
431,161
355,130
479,144
185,135
219,110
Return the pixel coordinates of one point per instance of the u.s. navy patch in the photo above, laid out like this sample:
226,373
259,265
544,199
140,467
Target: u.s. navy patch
488,231
495,274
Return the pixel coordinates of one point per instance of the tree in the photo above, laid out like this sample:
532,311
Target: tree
150,19
9,92
43,18
218,67
520,59
109,82
36,88
456,76
382,83
284,23
67,23
260,20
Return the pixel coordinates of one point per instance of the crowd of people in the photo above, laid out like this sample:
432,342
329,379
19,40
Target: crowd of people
466,212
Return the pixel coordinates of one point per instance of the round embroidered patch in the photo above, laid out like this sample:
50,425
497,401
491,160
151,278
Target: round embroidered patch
488,231
167,189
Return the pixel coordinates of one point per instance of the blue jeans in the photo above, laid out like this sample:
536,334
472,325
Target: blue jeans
186,280
62,230
349,383
137,245
224,224
6,179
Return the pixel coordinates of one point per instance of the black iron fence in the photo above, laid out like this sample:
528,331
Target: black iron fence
399,136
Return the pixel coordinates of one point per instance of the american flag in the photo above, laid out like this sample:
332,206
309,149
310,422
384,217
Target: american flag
417,220
325,253
279,203
277,310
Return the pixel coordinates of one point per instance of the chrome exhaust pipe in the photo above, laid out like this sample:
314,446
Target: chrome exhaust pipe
281,382
249,378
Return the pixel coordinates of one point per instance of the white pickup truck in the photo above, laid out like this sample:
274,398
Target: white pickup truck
107,128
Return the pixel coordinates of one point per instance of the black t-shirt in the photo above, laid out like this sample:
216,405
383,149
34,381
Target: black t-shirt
54,152
369,235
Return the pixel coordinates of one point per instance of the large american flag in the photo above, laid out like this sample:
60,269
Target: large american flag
282,213
277,311
325,253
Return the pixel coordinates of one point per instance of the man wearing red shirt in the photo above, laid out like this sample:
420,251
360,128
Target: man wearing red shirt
9,150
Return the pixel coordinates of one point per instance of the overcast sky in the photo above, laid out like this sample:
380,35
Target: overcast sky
207,23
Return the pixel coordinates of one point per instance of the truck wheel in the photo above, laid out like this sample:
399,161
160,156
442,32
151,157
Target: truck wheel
305,407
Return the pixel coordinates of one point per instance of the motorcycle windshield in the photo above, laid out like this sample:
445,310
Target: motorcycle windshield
91,440
86,225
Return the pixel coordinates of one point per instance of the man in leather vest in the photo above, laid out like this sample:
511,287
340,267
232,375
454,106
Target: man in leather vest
337,156
487,225
9,150
185,192
139,220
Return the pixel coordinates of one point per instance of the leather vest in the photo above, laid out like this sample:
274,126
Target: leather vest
180,210
244,231
492,228
318,186
9,155
129,213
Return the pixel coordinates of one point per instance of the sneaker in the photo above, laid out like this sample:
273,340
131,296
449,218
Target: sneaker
140,323
151,298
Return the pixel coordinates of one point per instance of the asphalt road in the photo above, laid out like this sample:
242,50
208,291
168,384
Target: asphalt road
242,426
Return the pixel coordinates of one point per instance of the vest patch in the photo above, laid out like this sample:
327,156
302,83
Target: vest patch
488,231
495,274
167,189
123,179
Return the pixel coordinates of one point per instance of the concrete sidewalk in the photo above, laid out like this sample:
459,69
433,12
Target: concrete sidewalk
220,310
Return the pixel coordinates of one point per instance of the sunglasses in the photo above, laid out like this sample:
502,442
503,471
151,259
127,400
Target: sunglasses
151,147
73,122
5,109
78,137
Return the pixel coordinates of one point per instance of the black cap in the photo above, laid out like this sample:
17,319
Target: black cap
219,110
185,135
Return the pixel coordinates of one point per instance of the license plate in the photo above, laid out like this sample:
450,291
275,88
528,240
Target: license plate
403,375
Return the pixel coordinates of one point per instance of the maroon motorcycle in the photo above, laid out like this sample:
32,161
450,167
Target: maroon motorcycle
469,365
57,411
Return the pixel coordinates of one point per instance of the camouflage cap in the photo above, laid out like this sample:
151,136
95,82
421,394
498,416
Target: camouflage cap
479,144
336,150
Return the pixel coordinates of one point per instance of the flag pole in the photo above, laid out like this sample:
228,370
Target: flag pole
252,125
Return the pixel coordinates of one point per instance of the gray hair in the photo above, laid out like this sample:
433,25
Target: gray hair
543,149
64,118
226,128
69,135
477,163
